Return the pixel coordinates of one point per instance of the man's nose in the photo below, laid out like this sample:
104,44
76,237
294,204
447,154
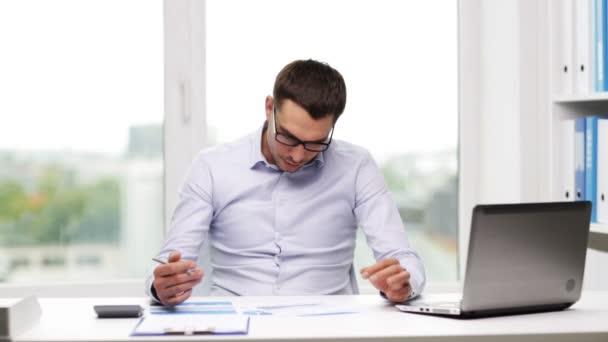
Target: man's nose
298,153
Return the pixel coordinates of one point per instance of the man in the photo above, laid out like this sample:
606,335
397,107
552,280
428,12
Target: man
281,206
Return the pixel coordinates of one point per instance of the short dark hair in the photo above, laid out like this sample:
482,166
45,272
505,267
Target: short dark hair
315,86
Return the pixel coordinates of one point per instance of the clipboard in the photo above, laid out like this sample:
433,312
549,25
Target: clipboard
159,324
189,330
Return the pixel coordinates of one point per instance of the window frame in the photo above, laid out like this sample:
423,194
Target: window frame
185,130
469,126
479,23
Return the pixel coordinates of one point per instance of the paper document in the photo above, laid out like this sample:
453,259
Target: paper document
193,318
300,309
219,308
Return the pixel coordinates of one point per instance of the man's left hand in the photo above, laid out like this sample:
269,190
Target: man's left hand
389,277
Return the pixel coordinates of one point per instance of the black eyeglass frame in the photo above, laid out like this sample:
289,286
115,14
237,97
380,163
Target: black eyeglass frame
323,146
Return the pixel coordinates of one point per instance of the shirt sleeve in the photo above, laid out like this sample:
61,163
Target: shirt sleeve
191,218
377,214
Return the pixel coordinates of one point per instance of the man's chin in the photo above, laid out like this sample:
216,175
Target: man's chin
287,167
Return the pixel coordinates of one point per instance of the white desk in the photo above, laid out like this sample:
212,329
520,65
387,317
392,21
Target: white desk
73,319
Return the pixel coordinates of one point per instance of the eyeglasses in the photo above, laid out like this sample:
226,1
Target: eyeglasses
292,141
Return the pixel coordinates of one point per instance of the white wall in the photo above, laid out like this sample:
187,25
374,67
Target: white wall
490,108
503,95
500,103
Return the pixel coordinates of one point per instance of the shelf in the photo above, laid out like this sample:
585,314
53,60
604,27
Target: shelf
592,97
599,228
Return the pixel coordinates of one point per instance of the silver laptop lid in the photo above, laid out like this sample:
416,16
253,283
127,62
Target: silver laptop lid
526,254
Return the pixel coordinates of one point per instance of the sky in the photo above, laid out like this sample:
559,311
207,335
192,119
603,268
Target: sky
77,74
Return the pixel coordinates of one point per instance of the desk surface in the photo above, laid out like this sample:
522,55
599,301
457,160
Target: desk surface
73,319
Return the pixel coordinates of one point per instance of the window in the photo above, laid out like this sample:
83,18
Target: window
81,163
399,60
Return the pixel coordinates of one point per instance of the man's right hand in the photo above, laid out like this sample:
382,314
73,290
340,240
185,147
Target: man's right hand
174,280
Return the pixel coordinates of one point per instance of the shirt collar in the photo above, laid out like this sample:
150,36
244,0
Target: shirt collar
257,158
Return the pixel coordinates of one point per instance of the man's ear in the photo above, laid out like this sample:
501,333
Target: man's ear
268,107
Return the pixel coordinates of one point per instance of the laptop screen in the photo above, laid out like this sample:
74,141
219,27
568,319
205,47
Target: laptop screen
526,254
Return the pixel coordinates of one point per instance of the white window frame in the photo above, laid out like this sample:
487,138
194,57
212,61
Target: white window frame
184,136
469,126
469,12
480,23
185,92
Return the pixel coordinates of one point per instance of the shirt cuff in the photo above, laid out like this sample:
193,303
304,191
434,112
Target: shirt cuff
412,295
153,294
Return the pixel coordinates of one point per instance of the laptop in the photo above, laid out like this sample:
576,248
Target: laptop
522,258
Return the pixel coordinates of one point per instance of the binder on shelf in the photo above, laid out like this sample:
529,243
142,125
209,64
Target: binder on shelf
579,159
583,41
567,160
591,164
602,170
599,37
566,58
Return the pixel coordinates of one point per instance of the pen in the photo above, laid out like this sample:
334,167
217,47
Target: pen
164,263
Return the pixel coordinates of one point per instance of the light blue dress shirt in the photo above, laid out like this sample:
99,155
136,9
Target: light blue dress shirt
277,233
